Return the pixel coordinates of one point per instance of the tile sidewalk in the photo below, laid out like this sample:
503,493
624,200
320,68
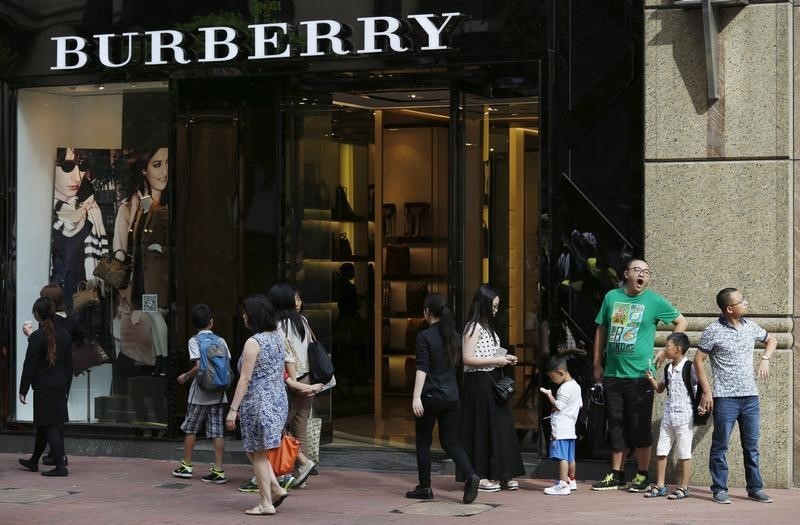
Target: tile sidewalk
111,491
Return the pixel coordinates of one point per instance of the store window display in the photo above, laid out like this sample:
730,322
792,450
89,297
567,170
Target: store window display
141,240
79,237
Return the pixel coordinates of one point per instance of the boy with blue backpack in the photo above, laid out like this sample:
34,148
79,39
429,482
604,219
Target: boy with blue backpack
212,375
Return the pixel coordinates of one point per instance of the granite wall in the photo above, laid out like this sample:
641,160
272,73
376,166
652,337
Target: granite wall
720,196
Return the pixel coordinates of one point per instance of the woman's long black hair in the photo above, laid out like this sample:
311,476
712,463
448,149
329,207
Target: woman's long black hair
480,312
282,296
436,304
44,311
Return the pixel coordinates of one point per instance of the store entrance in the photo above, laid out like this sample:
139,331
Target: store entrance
394,195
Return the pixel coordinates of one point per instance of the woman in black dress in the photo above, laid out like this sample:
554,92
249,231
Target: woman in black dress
48,369
77,334
436,397
487,426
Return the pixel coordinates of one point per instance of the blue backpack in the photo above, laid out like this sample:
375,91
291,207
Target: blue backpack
215,372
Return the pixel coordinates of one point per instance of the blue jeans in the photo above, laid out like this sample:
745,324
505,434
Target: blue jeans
727,411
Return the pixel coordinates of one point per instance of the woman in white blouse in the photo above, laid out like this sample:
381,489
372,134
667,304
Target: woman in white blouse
487,426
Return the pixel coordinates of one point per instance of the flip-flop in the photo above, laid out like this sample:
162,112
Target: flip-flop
276,502
260,510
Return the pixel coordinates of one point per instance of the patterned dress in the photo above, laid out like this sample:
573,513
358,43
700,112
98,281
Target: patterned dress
263,410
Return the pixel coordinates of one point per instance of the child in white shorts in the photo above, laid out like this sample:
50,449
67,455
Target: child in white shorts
677,426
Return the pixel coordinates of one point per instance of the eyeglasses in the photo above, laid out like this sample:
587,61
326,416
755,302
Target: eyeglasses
743,301
68,165
641,271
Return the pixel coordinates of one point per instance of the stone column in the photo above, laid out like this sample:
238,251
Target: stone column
719,194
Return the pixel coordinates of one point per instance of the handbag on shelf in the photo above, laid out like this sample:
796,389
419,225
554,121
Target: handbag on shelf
386,297
283,457
87,354
389,216
86,296
113,271
398,259
340,247
319,362
386,331
504,388
417,218
416,292
341,208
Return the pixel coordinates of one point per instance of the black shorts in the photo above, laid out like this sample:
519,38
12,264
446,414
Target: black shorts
629,410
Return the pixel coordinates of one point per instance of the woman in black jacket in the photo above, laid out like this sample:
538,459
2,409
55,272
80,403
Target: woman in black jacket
436,398
48,369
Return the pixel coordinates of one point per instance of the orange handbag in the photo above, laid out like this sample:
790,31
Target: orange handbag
282,457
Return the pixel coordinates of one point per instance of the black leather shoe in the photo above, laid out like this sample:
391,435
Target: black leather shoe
50,461
56,472
471,488
29,464
420,493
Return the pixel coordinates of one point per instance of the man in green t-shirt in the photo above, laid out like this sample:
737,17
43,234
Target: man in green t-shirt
626,330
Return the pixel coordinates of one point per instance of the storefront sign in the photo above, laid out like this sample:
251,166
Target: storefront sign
264,41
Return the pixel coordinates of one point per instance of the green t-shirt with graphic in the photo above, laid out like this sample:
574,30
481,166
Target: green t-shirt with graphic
631,330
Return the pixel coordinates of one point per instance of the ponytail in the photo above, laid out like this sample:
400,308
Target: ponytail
437,306
44,311
50,334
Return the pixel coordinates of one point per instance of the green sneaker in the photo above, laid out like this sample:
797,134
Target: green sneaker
639,483
215,476
610,482
248,486
184,470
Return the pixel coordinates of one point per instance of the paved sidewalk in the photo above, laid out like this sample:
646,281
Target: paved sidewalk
108,491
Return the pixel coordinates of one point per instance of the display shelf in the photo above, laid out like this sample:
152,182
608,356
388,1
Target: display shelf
414,240
415,277
401,315
353,258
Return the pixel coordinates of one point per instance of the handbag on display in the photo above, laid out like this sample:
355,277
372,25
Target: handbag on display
113,271
386,332
283,457
398,259
340,247
504,388
341,208
389,216
87,354
86,296
319,362
386,296
416,218
416,292
413,328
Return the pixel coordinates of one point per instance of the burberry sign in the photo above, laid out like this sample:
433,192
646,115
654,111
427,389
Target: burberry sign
380,34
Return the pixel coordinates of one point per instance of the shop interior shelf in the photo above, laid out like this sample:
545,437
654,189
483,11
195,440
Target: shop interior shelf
414,240
414,277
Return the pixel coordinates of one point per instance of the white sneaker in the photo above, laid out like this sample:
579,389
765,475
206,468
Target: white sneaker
558,489
573,485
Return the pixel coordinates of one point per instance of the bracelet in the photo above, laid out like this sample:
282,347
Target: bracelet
763,358
234,409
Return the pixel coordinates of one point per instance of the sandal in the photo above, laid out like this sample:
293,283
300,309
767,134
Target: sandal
277,500
656,492
261,510
488,486
679,493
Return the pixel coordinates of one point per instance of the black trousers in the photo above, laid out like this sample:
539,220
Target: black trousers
52,435
447,414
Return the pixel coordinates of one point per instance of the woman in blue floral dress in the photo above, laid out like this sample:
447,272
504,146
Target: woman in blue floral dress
260,400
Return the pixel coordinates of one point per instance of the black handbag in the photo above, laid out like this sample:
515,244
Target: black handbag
341,208
416,292
398,259
504,388
87,354
319,362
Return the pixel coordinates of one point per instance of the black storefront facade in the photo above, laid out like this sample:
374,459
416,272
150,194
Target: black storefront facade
368,154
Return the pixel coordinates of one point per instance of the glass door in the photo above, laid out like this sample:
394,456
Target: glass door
499,222
329,242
